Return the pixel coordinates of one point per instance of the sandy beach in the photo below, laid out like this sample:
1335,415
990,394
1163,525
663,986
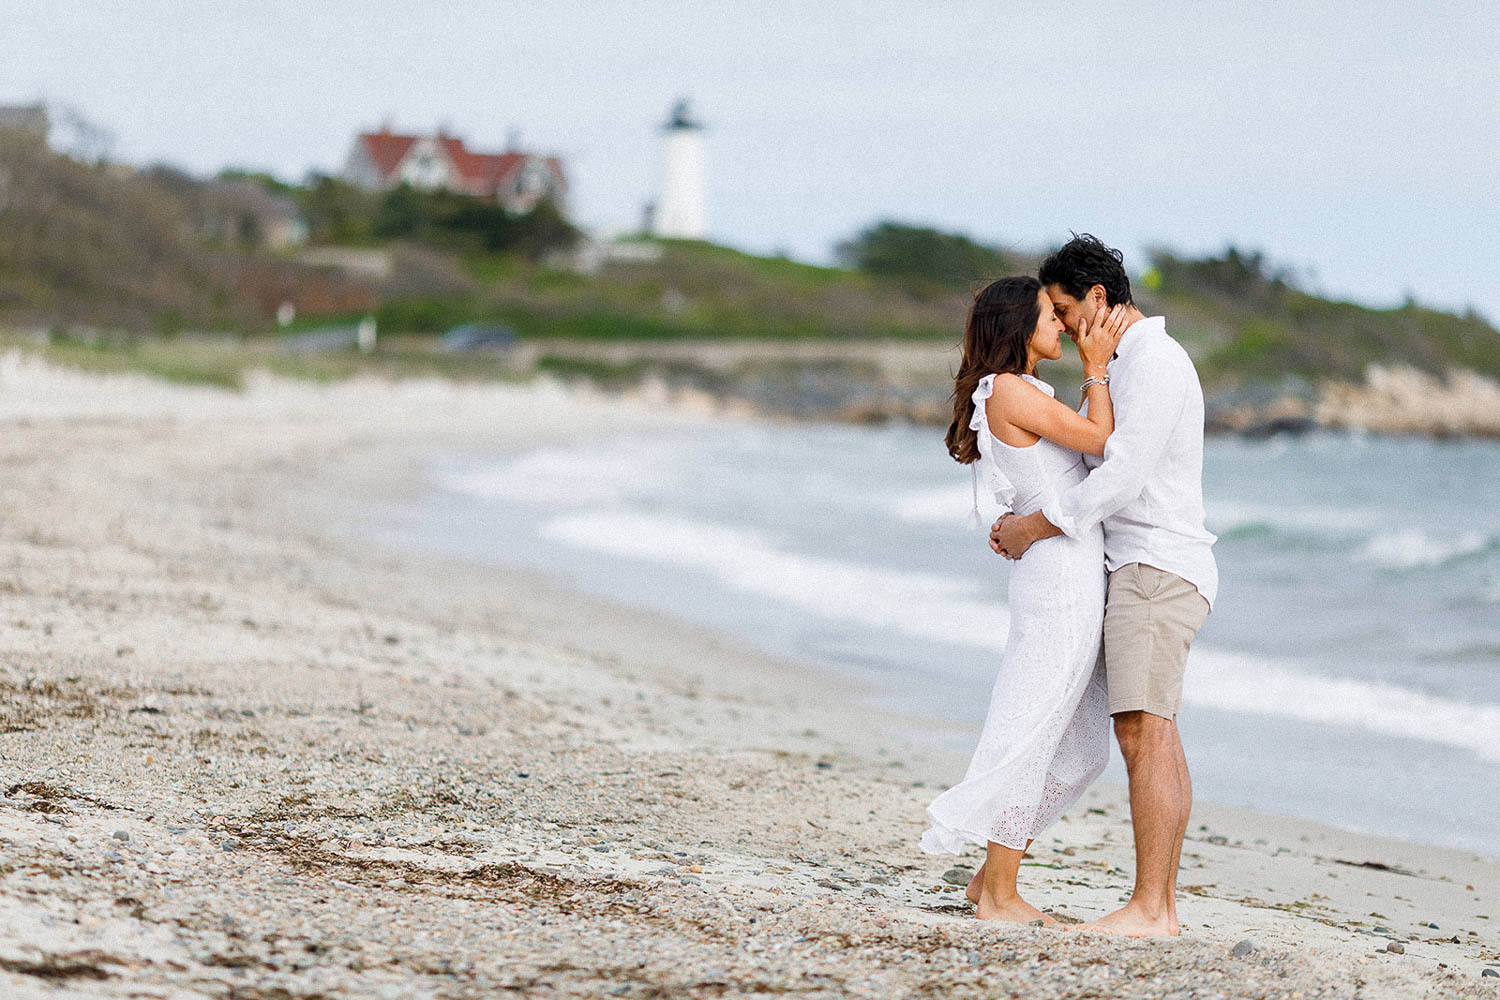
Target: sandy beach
247,753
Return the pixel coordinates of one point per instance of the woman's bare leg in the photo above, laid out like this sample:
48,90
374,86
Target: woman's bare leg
972,892
998,898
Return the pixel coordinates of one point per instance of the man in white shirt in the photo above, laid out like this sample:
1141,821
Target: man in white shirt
1147,491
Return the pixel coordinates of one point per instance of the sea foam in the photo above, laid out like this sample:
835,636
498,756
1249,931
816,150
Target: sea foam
927,605
1413,549
938,607
561,477
1252,684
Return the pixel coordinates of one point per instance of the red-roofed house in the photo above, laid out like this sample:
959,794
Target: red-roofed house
384,159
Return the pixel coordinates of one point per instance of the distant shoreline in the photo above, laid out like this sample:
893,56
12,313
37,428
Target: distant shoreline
851,381
870,382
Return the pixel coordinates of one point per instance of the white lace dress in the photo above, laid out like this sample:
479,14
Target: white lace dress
1046,737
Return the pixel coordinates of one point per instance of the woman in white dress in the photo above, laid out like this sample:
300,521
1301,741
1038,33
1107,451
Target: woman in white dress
1046,737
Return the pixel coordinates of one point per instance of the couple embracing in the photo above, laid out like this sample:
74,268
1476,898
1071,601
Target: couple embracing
1113,574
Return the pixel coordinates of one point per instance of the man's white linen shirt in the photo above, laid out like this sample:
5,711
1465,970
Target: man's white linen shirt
1147,490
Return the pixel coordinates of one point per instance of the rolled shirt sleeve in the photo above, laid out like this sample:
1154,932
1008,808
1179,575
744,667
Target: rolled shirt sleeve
1147,408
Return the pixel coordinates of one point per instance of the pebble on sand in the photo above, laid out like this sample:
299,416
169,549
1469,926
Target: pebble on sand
957,876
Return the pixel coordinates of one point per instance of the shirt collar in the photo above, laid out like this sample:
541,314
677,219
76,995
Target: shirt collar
1138,331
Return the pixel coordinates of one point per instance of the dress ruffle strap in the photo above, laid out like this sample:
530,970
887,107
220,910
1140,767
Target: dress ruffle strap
995,480
979,423
982,392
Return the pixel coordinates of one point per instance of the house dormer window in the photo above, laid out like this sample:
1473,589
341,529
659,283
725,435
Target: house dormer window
533,180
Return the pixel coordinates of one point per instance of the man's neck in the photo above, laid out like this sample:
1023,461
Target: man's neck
1132,317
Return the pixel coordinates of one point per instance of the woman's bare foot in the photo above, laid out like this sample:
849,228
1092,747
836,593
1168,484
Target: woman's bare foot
974,885
1131,921
1012,910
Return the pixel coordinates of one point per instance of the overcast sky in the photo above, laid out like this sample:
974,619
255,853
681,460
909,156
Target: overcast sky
1358,142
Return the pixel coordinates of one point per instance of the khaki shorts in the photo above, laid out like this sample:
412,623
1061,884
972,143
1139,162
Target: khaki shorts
1150,620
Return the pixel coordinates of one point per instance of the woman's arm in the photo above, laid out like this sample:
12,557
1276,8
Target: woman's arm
1020,404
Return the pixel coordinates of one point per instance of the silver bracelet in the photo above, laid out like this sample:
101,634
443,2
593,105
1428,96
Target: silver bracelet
1094,381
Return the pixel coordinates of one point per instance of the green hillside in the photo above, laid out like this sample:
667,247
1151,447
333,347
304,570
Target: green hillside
1243,321
114,258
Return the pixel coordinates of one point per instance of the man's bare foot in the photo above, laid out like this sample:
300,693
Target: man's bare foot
1013,910
1131,921
974,883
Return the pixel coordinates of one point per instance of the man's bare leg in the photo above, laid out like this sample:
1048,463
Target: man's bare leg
1156,809
998,898
1185,782
972,892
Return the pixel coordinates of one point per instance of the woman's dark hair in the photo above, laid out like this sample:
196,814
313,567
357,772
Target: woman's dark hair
1083,262
996,335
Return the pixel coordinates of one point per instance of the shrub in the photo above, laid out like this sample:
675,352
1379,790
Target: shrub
896,249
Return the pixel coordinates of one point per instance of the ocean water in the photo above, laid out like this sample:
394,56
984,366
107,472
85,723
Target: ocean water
1350,671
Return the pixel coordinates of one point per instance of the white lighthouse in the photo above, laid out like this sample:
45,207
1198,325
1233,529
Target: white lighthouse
681,211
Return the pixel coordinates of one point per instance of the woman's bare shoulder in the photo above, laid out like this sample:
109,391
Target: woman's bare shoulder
1010,387
1011,383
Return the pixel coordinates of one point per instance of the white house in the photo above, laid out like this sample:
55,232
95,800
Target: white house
516,180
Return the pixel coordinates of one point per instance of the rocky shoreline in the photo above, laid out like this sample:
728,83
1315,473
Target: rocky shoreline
874,383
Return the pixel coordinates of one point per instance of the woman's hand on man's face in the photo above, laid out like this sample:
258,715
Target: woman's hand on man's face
1097,339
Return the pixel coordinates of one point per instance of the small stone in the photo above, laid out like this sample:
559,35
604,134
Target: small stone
1218,839
1396,948
1491,973
1242,949
1432,925
122,835
957,876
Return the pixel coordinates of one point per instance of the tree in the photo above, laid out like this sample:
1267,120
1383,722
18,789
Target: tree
544,230
894,248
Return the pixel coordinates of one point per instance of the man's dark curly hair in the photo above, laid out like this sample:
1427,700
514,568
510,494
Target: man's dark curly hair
1083,262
